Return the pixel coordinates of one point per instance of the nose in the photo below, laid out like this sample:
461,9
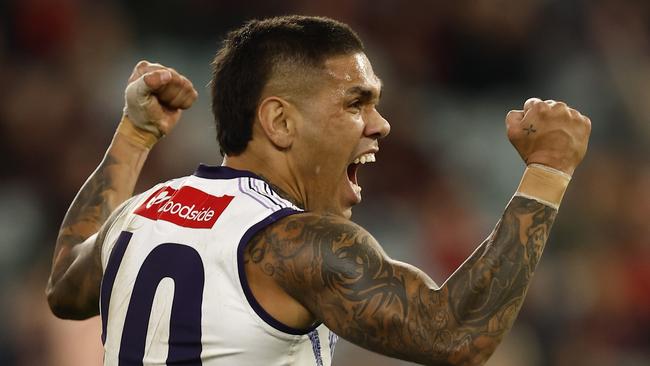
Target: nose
377,126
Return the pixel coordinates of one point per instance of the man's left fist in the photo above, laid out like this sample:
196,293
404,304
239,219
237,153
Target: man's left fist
549,133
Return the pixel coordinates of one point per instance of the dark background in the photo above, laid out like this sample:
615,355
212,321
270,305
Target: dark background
451,69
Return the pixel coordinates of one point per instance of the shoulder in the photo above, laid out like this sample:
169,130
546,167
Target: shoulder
310,250
313,230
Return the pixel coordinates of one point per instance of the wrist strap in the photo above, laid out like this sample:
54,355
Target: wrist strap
543,184
136,135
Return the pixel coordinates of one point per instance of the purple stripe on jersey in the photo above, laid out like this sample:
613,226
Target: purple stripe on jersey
254,188
277,215
114,260
315,346
241,189
222,172
261,187
272,195
333,338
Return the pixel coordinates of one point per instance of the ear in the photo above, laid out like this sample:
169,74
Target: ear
275,118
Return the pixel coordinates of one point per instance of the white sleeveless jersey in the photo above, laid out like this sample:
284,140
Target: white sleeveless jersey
174,289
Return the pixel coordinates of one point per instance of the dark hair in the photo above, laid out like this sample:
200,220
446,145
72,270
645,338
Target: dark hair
244,64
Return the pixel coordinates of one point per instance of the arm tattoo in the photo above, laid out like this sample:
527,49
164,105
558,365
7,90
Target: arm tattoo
90,208
340,273
76,267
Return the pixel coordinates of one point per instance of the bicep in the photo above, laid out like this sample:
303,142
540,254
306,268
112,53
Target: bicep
75,292
381,304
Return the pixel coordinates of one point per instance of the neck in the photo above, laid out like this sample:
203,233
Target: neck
283,184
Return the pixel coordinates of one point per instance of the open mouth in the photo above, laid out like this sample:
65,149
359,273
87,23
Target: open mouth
354,167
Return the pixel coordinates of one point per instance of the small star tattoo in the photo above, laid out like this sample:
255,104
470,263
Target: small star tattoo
530,129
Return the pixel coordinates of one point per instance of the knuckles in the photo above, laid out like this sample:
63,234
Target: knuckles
547,116
540,106
557,105
142,64
550,132
552,110
178,92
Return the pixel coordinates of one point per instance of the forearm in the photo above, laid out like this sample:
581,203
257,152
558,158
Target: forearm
107,187
486,293
463,321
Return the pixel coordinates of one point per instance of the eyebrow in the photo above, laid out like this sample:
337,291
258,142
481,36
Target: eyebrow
366,94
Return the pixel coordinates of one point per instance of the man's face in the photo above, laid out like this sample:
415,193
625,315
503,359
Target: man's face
338,130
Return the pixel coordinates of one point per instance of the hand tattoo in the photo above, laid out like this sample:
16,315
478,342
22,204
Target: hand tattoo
530,129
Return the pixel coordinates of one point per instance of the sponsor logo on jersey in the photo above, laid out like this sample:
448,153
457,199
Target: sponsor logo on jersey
187,207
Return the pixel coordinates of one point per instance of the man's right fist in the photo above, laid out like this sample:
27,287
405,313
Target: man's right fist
549,133
155,96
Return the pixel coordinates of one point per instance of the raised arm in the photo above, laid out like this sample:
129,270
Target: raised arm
343,277
340,274
154,97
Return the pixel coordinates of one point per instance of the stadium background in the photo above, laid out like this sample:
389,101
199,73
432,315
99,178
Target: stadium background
452,69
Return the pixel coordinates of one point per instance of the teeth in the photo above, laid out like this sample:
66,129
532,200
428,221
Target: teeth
365,158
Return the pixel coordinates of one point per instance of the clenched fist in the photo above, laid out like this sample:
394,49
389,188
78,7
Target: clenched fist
549,133
155,96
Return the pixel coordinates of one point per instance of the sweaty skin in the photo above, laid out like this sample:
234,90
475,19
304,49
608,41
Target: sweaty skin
319,266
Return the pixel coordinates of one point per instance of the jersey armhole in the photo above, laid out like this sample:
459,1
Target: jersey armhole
111,235
259,310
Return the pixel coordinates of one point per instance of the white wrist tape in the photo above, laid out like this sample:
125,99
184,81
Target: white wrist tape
543,184
137,98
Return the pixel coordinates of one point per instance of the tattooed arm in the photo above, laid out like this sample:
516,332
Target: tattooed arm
158,93
73,286
340,274
343,277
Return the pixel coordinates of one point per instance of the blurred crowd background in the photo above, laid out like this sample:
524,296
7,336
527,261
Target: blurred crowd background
451,70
